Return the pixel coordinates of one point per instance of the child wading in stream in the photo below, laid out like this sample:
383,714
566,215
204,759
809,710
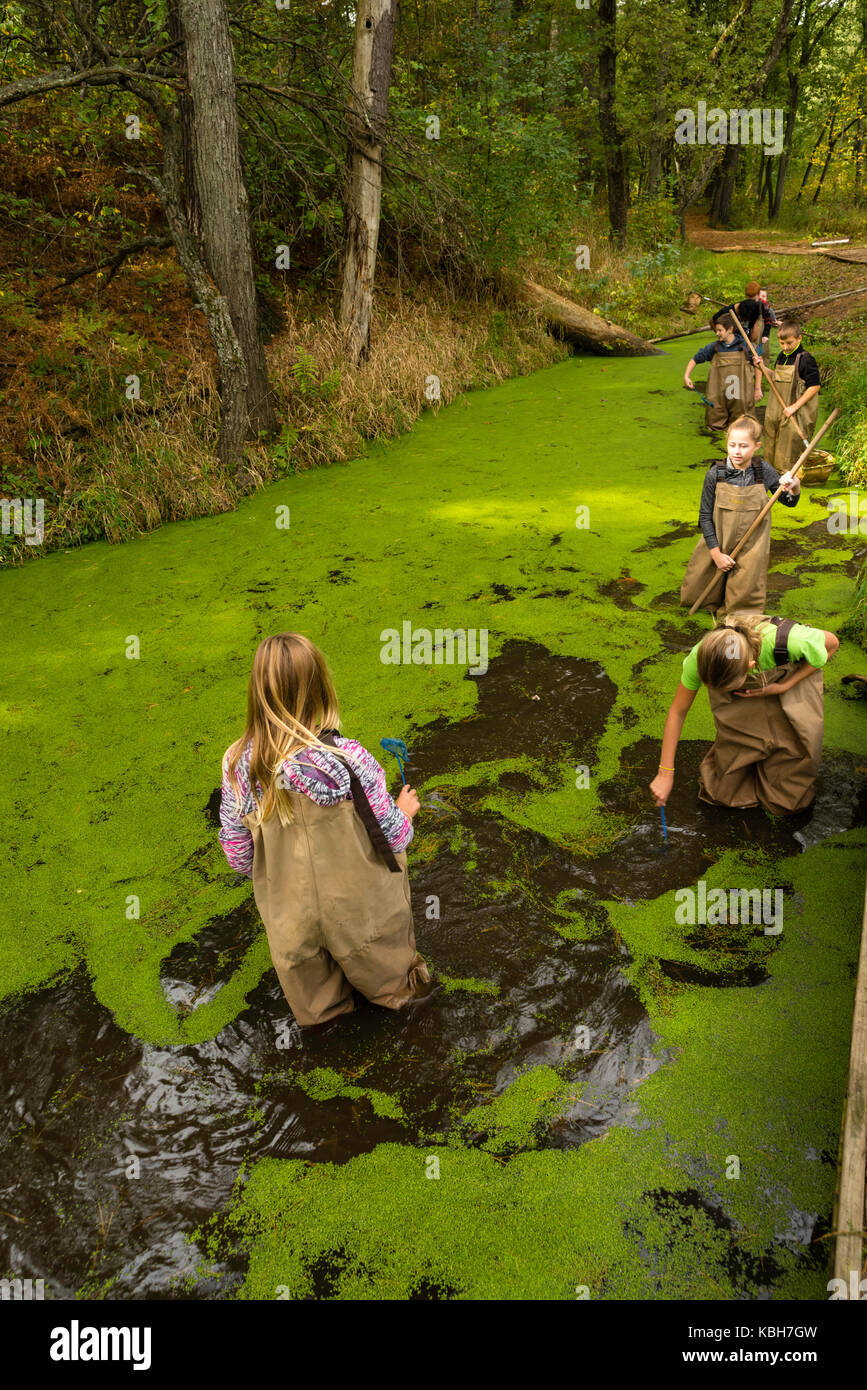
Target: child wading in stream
756,315
732,495
797,379
306,814
764,682
731,384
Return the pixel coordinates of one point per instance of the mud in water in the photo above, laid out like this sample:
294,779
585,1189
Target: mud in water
89,1106
622,590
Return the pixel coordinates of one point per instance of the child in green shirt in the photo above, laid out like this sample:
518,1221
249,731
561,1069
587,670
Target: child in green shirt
764,680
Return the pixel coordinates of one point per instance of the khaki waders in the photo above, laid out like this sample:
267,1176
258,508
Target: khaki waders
731,385
334,915
782,442
745,587
767,749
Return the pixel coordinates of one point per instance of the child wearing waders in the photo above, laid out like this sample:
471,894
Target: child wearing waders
306,814
731,384
732,495
764,682
755,313
796,375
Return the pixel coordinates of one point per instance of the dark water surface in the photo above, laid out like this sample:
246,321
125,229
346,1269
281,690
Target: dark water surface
83,1098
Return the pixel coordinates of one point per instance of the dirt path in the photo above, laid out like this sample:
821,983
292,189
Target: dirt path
829,278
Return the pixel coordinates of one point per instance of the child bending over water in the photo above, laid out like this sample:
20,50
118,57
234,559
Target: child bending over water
764,683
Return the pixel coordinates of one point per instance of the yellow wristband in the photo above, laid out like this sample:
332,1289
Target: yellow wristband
665,769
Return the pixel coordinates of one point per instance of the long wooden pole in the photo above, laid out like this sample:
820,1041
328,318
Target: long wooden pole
850,1219
811,303
763,513
763,369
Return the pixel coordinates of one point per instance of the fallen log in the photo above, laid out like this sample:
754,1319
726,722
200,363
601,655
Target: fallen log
591,332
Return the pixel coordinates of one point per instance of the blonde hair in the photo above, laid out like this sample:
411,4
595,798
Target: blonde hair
748,423
290,701
724,654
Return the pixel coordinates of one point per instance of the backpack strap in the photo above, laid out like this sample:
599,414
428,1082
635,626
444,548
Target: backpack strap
781,646
363,807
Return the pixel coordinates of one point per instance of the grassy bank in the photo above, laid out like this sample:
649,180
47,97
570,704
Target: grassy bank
107,465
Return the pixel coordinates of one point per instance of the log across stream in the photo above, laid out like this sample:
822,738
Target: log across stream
567,1110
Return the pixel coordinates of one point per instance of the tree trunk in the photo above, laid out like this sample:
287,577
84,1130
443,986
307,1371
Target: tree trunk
786,152
192,205
725,189
368,109
222,193
230,358
656,146
612,135
827,127
828,157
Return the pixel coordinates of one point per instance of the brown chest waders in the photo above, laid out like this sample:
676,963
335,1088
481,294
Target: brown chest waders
336,914
782,437
767,750
744,588
731,386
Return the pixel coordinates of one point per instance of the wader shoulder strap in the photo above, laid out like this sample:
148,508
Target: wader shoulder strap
781,646
364,809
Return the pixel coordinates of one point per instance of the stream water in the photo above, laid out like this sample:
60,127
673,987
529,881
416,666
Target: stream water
84,1099
115,1150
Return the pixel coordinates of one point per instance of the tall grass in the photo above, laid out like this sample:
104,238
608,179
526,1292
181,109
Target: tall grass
119,472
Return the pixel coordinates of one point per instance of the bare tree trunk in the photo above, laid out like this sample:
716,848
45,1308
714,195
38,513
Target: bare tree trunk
368,109
230,358
612,135
223,195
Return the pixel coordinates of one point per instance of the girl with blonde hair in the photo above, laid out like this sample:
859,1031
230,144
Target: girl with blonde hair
764,683
307,815
732,496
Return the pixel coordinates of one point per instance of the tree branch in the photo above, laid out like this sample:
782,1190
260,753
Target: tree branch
115,261
99,76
